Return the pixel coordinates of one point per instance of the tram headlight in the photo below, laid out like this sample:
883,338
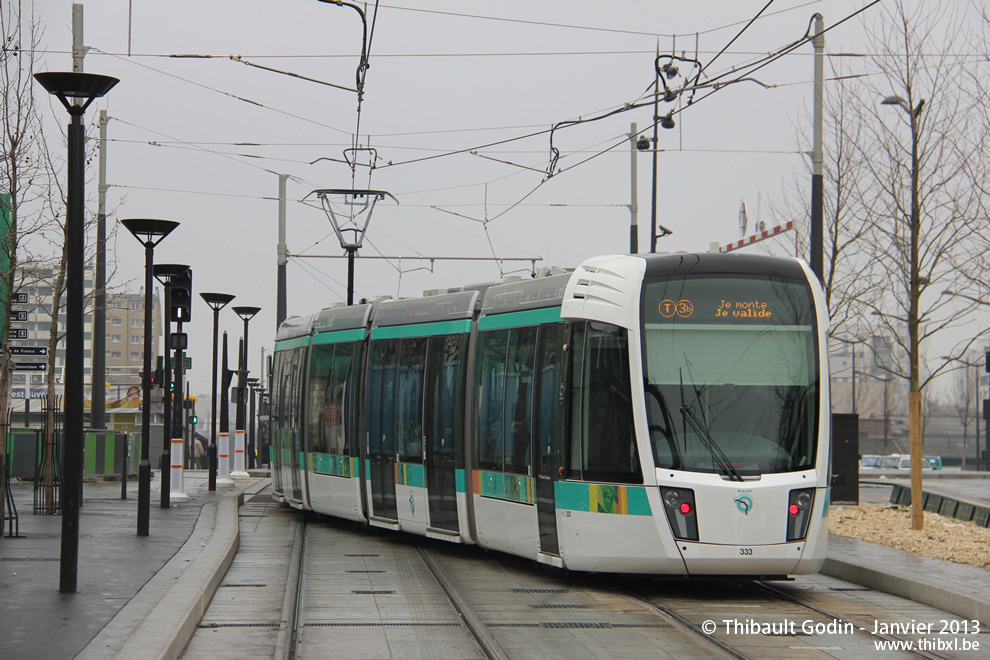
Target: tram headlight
799,513
678,503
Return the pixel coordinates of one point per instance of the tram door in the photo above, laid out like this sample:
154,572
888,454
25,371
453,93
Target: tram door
546,407
443,423
381,426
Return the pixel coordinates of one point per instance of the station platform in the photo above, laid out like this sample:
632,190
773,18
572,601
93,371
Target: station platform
143,596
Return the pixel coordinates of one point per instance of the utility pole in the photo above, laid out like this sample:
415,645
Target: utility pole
633,206
656,145
817,239
97,415
282,252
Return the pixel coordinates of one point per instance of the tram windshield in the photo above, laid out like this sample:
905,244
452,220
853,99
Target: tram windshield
731,374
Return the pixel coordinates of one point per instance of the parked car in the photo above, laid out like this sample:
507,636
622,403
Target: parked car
869,461
894,461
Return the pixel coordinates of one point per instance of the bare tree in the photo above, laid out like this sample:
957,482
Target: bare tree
24,177
923,145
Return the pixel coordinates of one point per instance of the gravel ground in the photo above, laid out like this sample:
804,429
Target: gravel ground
890,525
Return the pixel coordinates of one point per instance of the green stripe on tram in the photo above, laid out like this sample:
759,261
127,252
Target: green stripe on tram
332,464
460,482
602,498
410,474
339,336
514,319
511,487
287,344
422,329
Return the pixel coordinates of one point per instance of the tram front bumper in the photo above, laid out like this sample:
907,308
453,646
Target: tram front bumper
712,559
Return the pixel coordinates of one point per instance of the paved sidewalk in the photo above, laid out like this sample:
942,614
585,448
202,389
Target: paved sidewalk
36,621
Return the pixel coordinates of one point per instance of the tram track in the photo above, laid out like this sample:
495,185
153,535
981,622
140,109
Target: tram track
286,645
472,621
742,617
333,585
860,626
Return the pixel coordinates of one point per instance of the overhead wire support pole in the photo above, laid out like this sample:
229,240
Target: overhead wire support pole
656,145
281,255
633,192
817,239
97,417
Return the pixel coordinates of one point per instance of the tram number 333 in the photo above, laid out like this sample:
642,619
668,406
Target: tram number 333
745,551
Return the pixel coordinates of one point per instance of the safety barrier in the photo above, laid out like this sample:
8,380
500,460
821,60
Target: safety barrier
944,505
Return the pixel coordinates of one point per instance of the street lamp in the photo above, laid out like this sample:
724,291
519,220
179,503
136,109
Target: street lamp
246,314
216,301
165,274
149,233
84,88
914,293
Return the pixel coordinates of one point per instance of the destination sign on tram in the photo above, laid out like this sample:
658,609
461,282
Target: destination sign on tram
721,301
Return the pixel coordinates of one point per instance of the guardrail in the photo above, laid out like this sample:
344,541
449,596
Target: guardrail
944,505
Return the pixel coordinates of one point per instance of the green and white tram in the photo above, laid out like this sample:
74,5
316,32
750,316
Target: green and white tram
641,414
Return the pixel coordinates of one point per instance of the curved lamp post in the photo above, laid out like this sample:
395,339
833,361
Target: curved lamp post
216,301
246,314
913,318
165,273
84,88
149,233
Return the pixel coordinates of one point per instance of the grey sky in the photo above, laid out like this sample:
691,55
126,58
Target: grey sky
438,82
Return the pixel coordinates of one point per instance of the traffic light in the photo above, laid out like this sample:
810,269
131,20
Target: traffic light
180,297
158,378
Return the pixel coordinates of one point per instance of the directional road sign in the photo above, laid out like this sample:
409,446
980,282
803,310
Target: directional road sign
17,333
30,366
19,298
18,315
35,351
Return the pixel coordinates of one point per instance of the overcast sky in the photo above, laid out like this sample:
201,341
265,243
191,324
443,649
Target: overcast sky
199,138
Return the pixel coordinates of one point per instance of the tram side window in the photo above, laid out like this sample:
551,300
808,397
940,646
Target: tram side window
491,397
577,377
449,405
609,440
602,443
518,399
319,377
546,392
337,415
381,397
409,400
295,399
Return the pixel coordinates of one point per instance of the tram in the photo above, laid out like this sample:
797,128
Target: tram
655,414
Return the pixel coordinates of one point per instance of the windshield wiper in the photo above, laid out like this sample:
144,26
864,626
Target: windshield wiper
713,447
710,444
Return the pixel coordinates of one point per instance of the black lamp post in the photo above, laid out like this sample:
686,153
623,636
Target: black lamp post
149,233
84,88
240,464
164,274
216,301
